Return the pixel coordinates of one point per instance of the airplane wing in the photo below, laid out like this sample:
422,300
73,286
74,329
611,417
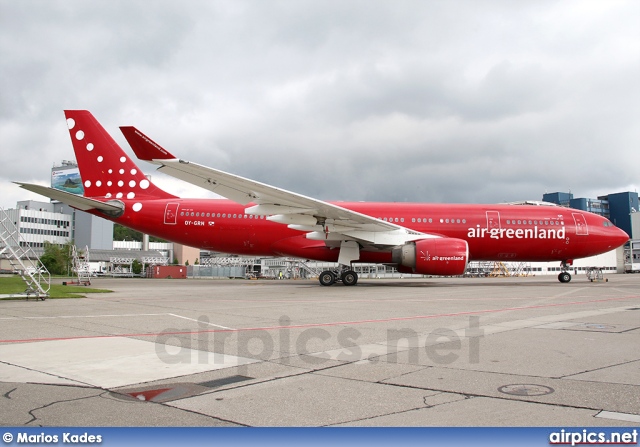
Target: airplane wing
320,220
74,200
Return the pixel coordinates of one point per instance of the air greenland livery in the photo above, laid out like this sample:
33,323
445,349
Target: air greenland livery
262,220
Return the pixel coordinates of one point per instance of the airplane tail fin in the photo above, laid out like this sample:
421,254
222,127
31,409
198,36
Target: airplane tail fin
106,170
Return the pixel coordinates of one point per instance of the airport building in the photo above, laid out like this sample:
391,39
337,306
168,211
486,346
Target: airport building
58,223
39,222
632,249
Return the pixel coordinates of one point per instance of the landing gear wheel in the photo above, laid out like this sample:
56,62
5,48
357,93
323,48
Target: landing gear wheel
327,278
349,278
564,277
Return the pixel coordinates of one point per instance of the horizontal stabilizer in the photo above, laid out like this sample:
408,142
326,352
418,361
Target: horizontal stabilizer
74,200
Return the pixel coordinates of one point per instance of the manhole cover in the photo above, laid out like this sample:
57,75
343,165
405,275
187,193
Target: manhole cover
526,390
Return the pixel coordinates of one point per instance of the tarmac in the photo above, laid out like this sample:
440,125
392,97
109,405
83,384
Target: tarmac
448,352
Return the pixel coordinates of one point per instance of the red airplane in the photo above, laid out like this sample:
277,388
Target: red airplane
262,220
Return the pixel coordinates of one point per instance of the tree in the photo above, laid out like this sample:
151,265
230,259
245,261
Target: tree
136,267
56,258
122,233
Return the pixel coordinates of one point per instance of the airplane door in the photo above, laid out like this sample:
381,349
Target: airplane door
493,220
581,224
171,214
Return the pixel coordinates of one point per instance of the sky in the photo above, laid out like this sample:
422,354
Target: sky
477,101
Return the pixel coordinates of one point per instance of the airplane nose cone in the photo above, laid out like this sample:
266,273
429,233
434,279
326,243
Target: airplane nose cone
621,237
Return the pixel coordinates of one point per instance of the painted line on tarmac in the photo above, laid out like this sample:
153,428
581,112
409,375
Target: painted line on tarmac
337,323
202,322
619,416
112,316
82,316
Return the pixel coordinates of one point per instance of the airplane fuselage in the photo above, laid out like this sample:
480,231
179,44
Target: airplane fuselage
493,232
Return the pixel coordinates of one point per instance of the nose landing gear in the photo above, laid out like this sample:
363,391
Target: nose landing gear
565,276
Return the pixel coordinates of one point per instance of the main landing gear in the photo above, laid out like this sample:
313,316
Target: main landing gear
346,275
564,276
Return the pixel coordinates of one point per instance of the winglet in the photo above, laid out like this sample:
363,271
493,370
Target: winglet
143,146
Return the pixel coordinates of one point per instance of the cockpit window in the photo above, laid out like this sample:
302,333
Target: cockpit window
606,223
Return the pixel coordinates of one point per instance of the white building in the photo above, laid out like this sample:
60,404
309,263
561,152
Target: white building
38,222
635,226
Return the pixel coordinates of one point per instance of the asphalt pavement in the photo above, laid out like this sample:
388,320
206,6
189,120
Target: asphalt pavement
526,351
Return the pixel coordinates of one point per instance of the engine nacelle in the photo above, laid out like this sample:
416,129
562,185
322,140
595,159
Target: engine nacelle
437,256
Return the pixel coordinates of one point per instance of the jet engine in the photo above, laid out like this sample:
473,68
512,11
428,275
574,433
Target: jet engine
437,256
